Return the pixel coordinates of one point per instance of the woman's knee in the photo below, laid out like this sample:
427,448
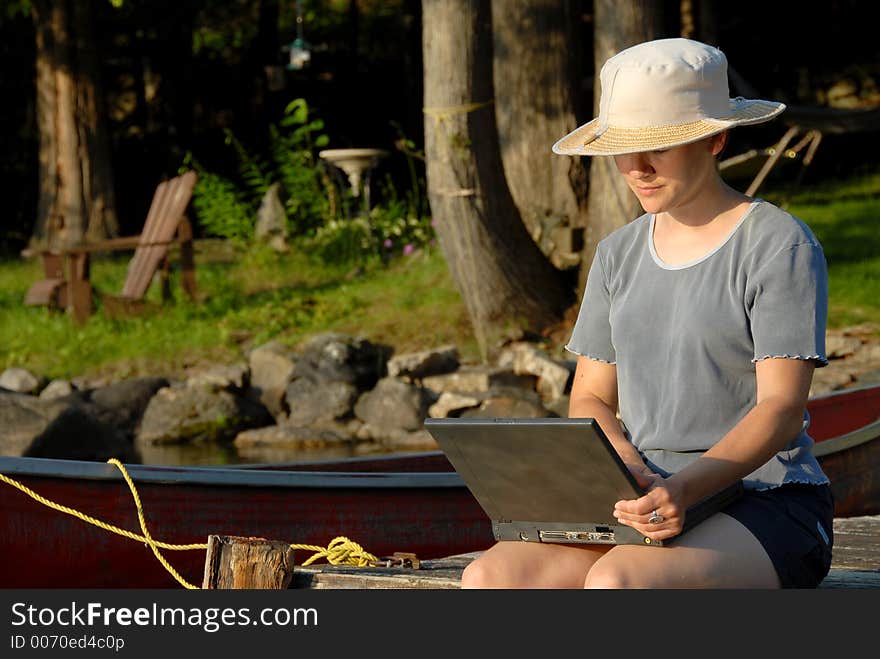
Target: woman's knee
610,575
481,573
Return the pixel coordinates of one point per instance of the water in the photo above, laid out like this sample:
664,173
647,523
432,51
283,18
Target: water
227,454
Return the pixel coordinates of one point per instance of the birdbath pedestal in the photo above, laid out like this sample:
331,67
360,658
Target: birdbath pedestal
357,164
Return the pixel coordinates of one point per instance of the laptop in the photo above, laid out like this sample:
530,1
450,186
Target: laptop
550,479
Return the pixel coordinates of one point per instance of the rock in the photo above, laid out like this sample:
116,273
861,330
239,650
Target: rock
22,418
271,369
19,380
469,378
393,404
57,389
122,404
283,443
287,436
418,365
271,226
195,414
869,377
836,375
63,428
311,402
837,346
403,441
77,435
452,402
233,377
336,356
507,407
554,379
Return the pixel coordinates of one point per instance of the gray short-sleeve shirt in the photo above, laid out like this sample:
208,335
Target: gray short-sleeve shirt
685,338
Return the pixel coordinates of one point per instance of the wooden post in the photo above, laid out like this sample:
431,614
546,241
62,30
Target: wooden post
187,262
79,287
234,562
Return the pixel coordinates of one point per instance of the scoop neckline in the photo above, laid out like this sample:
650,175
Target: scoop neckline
689,264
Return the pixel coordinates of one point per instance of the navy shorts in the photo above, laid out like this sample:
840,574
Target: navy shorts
793,523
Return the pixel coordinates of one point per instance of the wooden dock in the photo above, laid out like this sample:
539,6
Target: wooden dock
855,564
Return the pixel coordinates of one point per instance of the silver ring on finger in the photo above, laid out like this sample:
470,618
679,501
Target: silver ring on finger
656,518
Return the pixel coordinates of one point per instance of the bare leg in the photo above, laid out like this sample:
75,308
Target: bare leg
718,553
532,565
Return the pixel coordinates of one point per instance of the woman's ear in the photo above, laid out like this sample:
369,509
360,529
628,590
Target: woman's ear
719,141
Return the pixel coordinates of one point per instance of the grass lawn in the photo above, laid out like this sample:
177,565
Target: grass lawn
248,299
846,220
410,304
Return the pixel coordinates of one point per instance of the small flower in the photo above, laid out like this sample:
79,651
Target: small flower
388,244
408,249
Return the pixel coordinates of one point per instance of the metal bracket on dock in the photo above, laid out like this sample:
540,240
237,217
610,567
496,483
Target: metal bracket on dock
398,559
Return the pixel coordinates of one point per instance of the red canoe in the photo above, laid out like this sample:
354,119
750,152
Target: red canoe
407,503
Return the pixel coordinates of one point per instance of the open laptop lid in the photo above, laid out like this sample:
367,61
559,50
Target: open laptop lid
546,479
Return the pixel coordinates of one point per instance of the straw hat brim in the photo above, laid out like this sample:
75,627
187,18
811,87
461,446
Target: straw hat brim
587,140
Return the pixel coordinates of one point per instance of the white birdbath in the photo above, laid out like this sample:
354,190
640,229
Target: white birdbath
356,163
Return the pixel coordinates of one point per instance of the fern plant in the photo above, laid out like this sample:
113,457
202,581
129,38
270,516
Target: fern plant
293,145
220,208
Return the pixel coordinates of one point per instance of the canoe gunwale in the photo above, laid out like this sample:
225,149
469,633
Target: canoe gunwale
13,467
847,441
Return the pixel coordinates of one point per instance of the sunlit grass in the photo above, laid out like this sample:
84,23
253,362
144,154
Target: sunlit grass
845,216
245,300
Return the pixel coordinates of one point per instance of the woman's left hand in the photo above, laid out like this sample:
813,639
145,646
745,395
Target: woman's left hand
659,514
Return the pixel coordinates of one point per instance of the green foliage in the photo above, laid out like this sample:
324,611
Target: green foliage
399,225
220,207
293,150
316,209
344,240
228,209
843,215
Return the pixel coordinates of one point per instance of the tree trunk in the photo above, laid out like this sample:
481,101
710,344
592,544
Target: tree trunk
76,198
619,24
507,284
534,107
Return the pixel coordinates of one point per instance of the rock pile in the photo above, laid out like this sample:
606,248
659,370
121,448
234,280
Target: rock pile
335,391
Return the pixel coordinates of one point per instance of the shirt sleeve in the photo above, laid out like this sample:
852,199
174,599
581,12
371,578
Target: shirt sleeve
790,305
591,336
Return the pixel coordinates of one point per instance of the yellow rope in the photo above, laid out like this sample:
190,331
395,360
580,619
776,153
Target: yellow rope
340,551
92,520
140,513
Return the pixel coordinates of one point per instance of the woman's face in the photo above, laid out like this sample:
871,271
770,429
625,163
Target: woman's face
672,178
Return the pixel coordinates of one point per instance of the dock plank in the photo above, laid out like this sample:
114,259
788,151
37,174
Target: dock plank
855,564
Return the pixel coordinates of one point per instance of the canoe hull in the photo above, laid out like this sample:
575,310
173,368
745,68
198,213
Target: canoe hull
44,548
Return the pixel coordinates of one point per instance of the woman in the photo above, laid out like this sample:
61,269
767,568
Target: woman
701,324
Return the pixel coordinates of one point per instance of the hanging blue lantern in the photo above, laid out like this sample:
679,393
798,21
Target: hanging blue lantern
300,50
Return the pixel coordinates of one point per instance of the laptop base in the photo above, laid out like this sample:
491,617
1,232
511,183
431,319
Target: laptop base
562,533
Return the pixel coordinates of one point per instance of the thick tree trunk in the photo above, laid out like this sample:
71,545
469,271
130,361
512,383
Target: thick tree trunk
619,24
507,284
76,199
534,80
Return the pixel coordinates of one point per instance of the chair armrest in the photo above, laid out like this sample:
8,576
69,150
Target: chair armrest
109,245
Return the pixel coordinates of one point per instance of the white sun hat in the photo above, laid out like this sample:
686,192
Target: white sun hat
660,94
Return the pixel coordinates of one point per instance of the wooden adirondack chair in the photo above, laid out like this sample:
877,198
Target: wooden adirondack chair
67,286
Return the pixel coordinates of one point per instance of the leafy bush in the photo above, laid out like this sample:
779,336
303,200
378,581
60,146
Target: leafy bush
228,209
317,210
220,208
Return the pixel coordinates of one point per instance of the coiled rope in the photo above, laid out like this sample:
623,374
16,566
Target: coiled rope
340,551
